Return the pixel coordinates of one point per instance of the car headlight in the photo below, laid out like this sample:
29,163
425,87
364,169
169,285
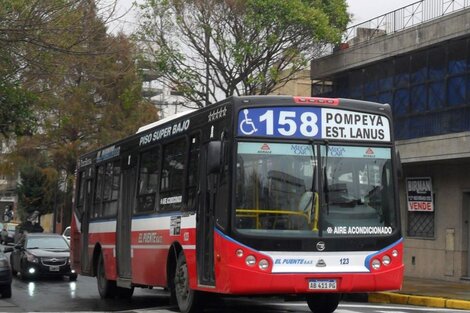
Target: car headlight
32,258
4,262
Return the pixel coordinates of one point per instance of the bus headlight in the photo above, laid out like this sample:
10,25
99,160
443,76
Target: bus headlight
386,260
239,253
250,260
395,253
263,264
376,264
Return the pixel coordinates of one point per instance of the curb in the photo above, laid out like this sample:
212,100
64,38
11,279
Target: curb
435,302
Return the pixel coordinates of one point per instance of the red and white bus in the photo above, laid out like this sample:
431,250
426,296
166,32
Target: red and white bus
255,195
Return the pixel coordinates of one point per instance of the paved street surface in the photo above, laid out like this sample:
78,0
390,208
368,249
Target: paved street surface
60,295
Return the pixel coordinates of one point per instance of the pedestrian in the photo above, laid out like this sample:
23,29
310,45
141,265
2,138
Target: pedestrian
22,237
4,236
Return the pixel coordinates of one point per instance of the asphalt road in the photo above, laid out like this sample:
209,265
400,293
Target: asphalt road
61,295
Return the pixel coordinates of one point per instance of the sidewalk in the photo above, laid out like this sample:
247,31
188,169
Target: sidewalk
427,292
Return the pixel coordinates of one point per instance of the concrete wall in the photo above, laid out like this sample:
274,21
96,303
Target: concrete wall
435,148
445,255
301,85
447,27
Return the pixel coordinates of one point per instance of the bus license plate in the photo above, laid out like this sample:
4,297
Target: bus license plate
53,268
329,284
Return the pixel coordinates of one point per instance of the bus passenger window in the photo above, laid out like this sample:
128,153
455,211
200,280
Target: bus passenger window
193,172
96,211
81,193
171,188
111,189
148,180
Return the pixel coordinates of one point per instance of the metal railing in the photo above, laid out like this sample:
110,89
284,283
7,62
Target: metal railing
411,15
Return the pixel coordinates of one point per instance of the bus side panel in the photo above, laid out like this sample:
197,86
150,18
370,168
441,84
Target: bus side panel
103,234
152,239
234,276
148,260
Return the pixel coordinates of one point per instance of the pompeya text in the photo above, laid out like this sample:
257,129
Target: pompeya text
354,126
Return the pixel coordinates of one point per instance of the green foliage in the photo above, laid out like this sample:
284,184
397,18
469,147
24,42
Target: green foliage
212,49
75,82
32,192
16,114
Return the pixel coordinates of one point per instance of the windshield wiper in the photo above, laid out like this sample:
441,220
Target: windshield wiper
326,189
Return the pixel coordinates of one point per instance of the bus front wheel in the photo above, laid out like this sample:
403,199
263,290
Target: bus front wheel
323,302
188,300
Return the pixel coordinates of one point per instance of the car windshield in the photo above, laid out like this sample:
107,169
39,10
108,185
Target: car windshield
46,243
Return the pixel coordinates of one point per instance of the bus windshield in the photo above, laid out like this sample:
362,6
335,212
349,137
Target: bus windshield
276,192
274,188
357,191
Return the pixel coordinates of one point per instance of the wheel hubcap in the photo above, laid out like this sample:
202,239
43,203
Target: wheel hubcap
181,282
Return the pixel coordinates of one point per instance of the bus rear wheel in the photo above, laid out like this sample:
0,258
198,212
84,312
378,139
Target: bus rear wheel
106,288
188,300
323,302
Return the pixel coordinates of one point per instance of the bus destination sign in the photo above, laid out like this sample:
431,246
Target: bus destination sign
317,123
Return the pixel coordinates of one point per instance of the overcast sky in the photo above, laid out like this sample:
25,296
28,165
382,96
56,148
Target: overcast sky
362,10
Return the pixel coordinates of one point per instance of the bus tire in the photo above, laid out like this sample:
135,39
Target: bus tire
323,302
124,293
106,288
188,300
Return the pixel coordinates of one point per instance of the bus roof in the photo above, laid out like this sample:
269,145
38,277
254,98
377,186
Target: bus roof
164,120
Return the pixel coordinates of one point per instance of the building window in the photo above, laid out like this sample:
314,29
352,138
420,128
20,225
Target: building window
421,224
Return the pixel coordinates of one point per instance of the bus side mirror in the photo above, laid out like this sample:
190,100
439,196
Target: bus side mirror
213,157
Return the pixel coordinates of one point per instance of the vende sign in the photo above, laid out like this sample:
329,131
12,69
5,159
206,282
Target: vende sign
419,194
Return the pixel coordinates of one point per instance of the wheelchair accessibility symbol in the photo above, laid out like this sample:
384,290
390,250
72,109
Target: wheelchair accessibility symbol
247,126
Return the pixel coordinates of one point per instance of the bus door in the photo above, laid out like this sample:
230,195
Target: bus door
124,219
84,223
205,222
